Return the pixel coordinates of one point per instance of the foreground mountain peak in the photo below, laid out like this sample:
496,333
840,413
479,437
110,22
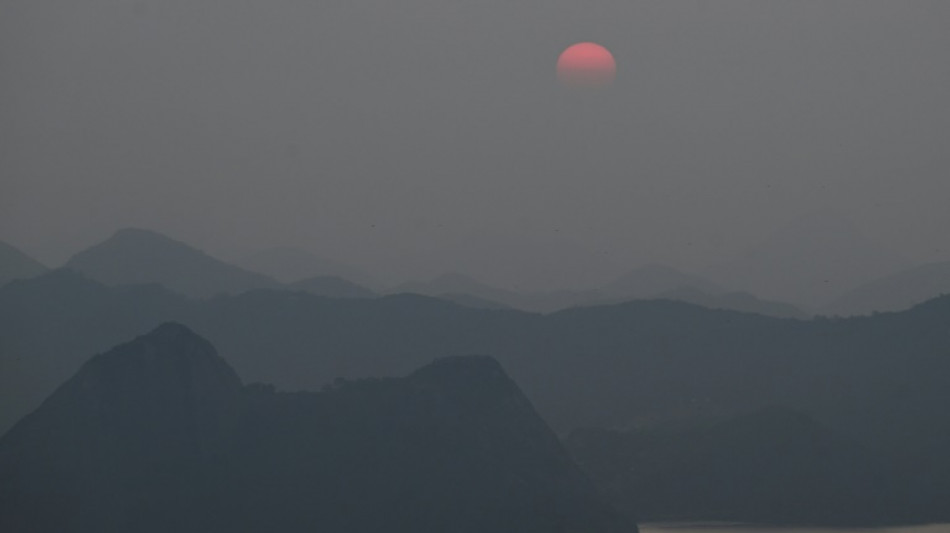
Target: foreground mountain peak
167,386
159,435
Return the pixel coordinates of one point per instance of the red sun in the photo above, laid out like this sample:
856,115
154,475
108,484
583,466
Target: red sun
586,65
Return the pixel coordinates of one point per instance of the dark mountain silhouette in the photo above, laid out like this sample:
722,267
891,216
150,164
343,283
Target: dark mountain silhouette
735,301
894,292
14,264
652,281
879,381
135,256
289,265
48,322
771,466
333,287
807,263
613,357
159,435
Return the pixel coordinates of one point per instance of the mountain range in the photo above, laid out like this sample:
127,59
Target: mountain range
15,264
649,282
807,262
878,381
289,265
159,434
136,256
894,292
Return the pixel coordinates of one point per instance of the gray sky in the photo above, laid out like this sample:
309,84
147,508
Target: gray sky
415,137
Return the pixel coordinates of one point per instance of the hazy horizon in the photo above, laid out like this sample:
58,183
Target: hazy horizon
431,137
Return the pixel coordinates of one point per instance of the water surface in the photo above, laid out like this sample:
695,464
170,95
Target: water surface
728,528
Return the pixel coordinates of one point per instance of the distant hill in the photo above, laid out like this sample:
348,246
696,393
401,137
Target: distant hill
735,301
136,256
333,287
894,292
469,292
289,265
651,281
644,283
475,302
774,466
14,264
454,283
807,263
159,434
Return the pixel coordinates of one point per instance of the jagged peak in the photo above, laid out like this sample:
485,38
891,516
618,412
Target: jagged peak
169,340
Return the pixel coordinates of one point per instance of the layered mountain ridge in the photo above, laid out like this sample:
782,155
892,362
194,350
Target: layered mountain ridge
14,264
158,434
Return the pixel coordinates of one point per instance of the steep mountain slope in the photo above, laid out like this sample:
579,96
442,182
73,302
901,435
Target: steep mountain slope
894,292
14,264
158,434
126,444
134,256
51,323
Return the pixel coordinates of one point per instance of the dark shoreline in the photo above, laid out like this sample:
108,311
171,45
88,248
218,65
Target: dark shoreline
714,525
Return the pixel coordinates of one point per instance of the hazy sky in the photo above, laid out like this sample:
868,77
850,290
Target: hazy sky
420,136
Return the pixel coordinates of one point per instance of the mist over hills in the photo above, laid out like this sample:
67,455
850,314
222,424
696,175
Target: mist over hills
877,380
455,283
722,279
14,264
734,301
136,256
289,265
649,281
407,117
159,434
665,378
333,287
894,292
807,262
315,339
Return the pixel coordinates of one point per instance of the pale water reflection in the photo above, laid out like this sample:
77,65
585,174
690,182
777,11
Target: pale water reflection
717,528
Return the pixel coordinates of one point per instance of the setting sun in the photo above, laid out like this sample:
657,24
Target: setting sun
586,65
